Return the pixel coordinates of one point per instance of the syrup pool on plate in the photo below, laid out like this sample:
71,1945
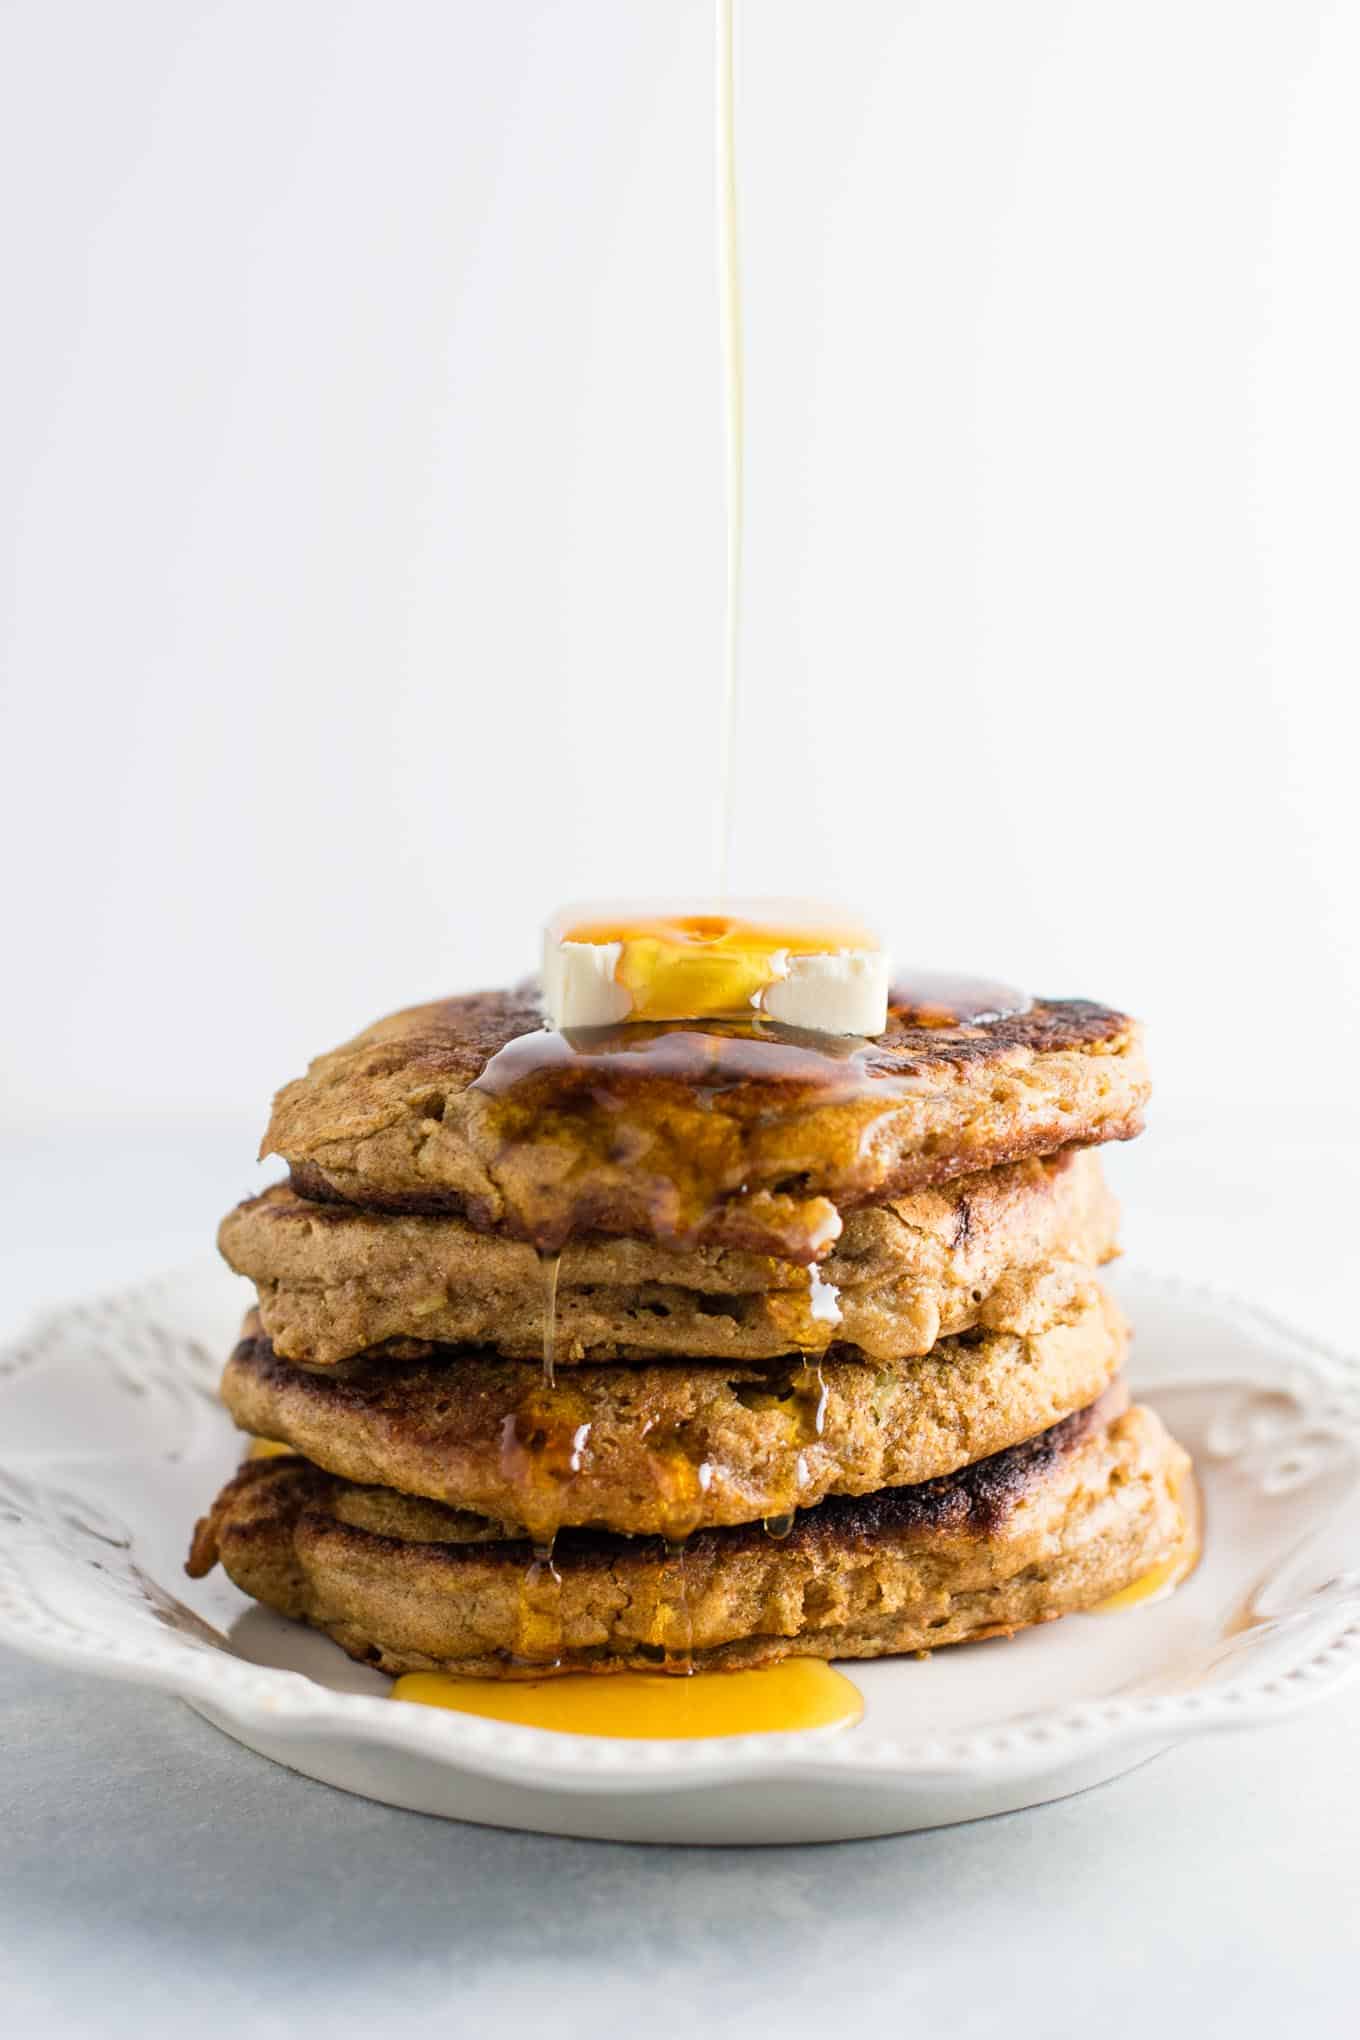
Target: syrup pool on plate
798,1693
1162,1580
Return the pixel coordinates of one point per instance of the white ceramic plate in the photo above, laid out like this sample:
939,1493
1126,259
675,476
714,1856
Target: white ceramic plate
112,1442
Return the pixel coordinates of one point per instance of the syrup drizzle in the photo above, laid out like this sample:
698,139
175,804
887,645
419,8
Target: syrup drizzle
810,1398
807,1396
730,326
541,1449
538,1639
682,1484
551,1264
676,1617
543,1446
1162,1580
824,1299
937,998
532,1454
717,1054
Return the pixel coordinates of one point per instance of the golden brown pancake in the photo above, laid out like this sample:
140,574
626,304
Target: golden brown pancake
986,1250
1046,1528
732,1134
665,1449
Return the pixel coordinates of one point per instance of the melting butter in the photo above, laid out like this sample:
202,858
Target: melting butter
798,962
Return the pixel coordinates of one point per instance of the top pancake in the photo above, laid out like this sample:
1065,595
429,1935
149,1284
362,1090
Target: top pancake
727,1134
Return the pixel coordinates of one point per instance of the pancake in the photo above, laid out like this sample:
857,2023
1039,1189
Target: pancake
981,1250
734,1134
665,1449
1044,1529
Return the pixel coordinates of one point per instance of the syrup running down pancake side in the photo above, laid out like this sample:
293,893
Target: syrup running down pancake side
1162,1580
691,1057
637,1096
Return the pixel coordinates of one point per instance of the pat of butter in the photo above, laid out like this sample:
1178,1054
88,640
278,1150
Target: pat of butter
806,965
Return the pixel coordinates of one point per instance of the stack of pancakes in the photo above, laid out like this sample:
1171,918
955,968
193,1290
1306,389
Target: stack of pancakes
691,1345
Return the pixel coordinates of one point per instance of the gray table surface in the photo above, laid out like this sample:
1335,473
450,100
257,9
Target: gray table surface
155,1878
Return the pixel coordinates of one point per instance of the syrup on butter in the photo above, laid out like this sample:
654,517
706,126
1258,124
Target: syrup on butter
795,961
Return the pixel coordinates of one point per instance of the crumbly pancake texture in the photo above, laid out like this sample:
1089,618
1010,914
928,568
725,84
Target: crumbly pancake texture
989,1250
1042,1530
664,1449
733,1135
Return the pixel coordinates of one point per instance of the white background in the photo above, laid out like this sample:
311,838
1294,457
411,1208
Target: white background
360,597
360,481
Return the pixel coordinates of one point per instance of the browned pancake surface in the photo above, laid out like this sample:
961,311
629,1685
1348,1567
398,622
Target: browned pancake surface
664,1449
1049,1527
995,1250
